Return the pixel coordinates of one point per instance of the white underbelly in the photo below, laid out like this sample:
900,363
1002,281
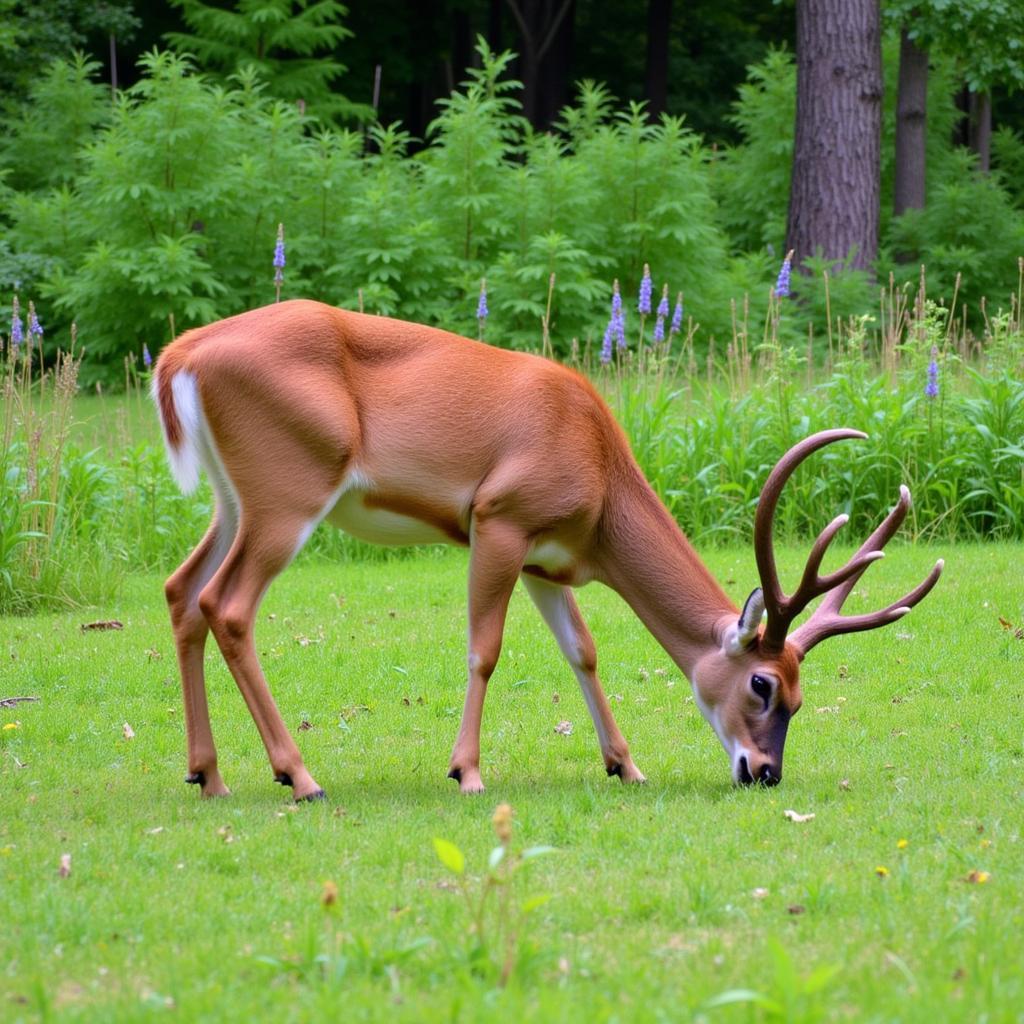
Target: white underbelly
379,525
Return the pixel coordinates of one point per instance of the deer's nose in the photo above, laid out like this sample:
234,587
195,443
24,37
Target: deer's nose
768,776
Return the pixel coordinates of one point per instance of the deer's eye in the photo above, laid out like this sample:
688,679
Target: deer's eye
762,687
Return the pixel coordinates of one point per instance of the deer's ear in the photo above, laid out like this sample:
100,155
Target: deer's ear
739,637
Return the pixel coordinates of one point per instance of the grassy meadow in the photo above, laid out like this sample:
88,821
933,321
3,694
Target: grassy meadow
684,899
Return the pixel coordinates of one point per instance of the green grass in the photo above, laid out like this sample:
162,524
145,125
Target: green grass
912,732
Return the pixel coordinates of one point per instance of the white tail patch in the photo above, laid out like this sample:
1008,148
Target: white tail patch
185,461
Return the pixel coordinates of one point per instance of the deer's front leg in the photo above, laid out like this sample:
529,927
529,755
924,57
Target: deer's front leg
496,559
559,609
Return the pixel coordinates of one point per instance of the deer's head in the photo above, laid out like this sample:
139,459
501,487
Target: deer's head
749,686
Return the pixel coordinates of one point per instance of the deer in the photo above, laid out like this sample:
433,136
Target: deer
399,433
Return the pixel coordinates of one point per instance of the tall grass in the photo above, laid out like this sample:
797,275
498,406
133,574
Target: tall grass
86,497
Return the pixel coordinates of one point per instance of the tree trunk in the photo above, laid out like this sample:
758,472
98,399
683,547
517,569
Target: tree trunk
980,132
540,22
911,121
659,22
834,196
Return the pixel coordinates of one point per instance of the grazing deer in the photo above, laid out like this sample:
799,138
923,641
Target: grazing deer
402,434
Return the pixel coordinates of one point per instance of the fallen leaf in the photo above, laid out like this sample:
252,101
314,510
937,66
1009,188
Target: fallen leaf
555,698
564,728
329,896
127,731
9,702
796,908
104,624
305,725
65,865
1004,623
760,893
154,831
797,817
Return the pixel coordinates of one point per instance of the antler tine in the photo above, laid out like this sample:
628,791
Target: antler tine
822,625
782,609
868,552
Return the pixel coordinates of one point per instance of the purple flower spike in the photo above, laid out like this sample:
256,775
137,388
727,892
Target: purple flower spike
17,335
481,306
644,304
279,260
34,327
931,389
663,304
782,284
677,316
606,345
147,359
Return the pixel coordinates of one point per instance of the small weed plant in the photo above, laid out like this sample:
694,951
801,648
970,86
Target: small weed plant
497,911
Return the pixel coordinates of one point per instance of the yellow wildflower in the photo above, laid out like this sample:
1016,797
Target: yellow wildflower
881,871
901,844
11,725
329,896
502,821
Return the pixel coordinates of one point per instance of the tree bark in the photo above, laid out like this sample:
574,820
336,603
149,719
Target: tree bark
540,24
911,123
980,131
659,23
834,196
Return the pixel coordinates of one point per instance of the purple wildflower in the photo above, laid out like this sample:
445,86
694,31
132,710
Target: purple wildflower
279,260
147,359
643,306
782,284
17,335
677,316
616,329
931,389
35,329
481,306
659,324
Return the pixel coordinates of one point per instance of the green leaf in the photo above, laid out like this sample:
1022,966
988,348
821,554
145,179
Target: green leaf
537,851
536,901
450,856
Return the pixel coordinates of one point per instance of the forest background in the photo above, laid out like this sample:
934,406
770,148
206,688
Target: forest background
413,151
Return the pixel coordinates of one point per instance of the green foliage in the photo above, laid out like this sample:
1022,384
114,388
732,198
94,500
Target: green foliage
751,180
65,104
32,35
288,42
984,36
969,230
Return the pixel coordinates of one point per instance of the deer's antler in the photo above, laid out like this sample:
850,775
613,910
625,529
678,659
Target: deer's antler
826,620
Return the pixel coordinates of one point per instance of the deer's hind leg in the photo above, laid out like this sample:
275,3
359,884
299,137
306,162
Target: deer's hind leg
262,547
190,631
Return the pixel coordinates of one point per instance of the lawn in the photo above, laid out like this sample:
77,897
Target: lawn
899,901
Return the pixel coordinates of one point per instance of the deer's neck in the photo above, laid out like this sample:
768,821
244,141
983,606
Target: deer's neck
650,563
